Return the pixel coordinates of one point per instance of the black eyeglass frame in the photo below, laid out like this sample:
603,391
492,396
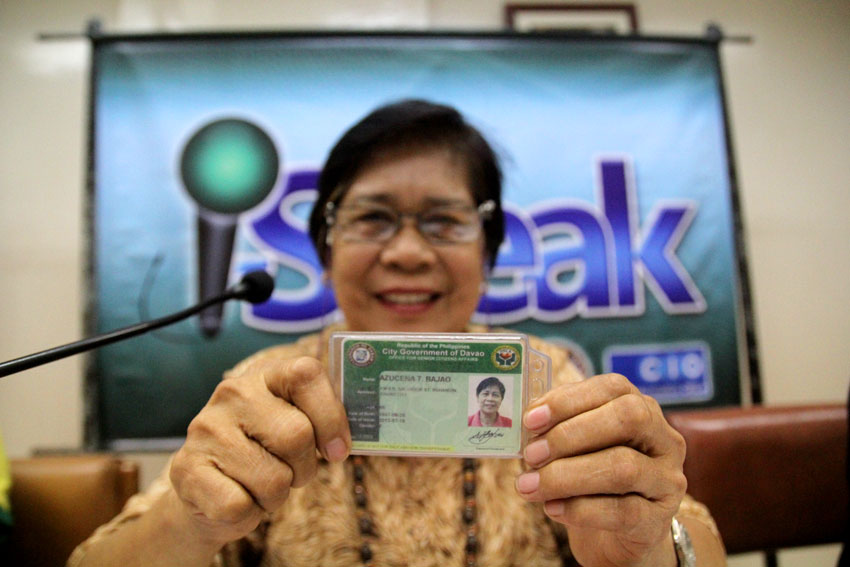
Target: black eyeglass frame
484,210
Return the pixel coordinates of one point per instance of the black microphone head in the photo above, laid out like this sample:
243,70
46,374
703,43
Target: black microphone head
255,287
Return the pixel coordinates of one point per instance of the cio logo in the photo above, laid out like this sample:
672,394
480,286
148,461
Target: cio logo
669,372
228,167
361,354
505,357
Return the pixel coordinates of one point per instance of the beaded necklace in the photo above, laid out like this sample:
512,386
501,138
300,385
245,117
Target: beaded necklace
367,526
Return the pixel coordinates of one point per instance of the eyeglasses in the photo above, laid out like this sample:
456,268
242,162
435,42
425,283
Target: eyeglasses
447,224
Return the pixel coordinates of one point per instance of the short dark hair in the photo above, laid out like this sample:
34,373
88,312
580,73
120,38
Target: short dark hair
487,382
410,124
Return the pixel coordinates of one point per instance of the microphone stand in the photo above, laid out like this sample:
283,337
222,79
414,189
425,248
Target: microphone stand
255,287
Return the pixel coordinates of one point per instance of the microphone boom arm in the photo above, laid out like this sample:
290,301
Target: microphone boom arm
255,287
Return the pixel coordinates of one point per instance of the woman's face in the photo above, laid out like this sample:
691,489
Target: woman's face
407,283
490,399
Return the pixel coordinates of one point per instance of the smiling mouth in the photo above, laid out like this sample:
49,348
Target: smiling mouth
408,299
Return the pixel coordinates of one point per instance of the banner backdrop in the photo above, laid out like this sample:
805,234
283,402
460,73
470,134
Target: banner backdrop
206,149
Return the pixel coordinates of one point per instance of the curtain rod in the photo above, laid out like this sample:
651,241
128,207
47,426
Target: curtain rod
94,31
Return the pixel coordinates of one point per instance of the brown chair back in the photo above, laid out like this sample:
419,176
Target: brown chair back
58,501
773,477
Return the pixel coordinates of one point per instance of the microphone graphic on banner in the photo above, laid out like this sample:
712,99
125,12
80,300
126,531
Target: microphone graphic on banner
228,167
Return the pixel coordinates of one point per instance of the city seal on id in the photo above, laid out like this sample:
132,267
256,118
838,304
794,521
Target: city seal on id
361,354
505,357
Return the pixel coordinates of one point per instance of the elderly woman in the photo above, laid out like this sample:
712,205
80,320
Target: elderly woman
407,222
490,393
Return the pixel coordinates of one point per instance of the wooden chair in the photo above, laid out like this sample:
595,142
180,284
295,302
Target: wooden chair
58,501
773,477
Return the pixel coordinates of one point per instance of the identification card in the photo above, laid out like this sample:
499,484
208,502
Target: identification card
437,394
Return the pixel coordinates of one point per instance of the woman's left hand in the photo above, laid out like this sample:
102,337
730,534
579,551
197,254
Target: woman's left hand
608,466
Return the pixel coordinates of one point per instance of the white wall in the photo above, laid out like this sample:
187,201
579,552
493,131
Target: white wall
788,94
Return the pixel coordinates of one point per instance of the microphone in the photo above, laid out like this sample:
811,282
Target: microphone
254,287
228,166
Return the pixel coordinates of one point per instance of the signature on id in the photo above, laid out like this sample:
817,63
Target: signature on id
485,435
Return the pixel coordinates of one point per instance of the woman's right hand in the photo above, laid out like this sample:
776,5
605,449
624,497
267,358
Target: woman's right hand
254,440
